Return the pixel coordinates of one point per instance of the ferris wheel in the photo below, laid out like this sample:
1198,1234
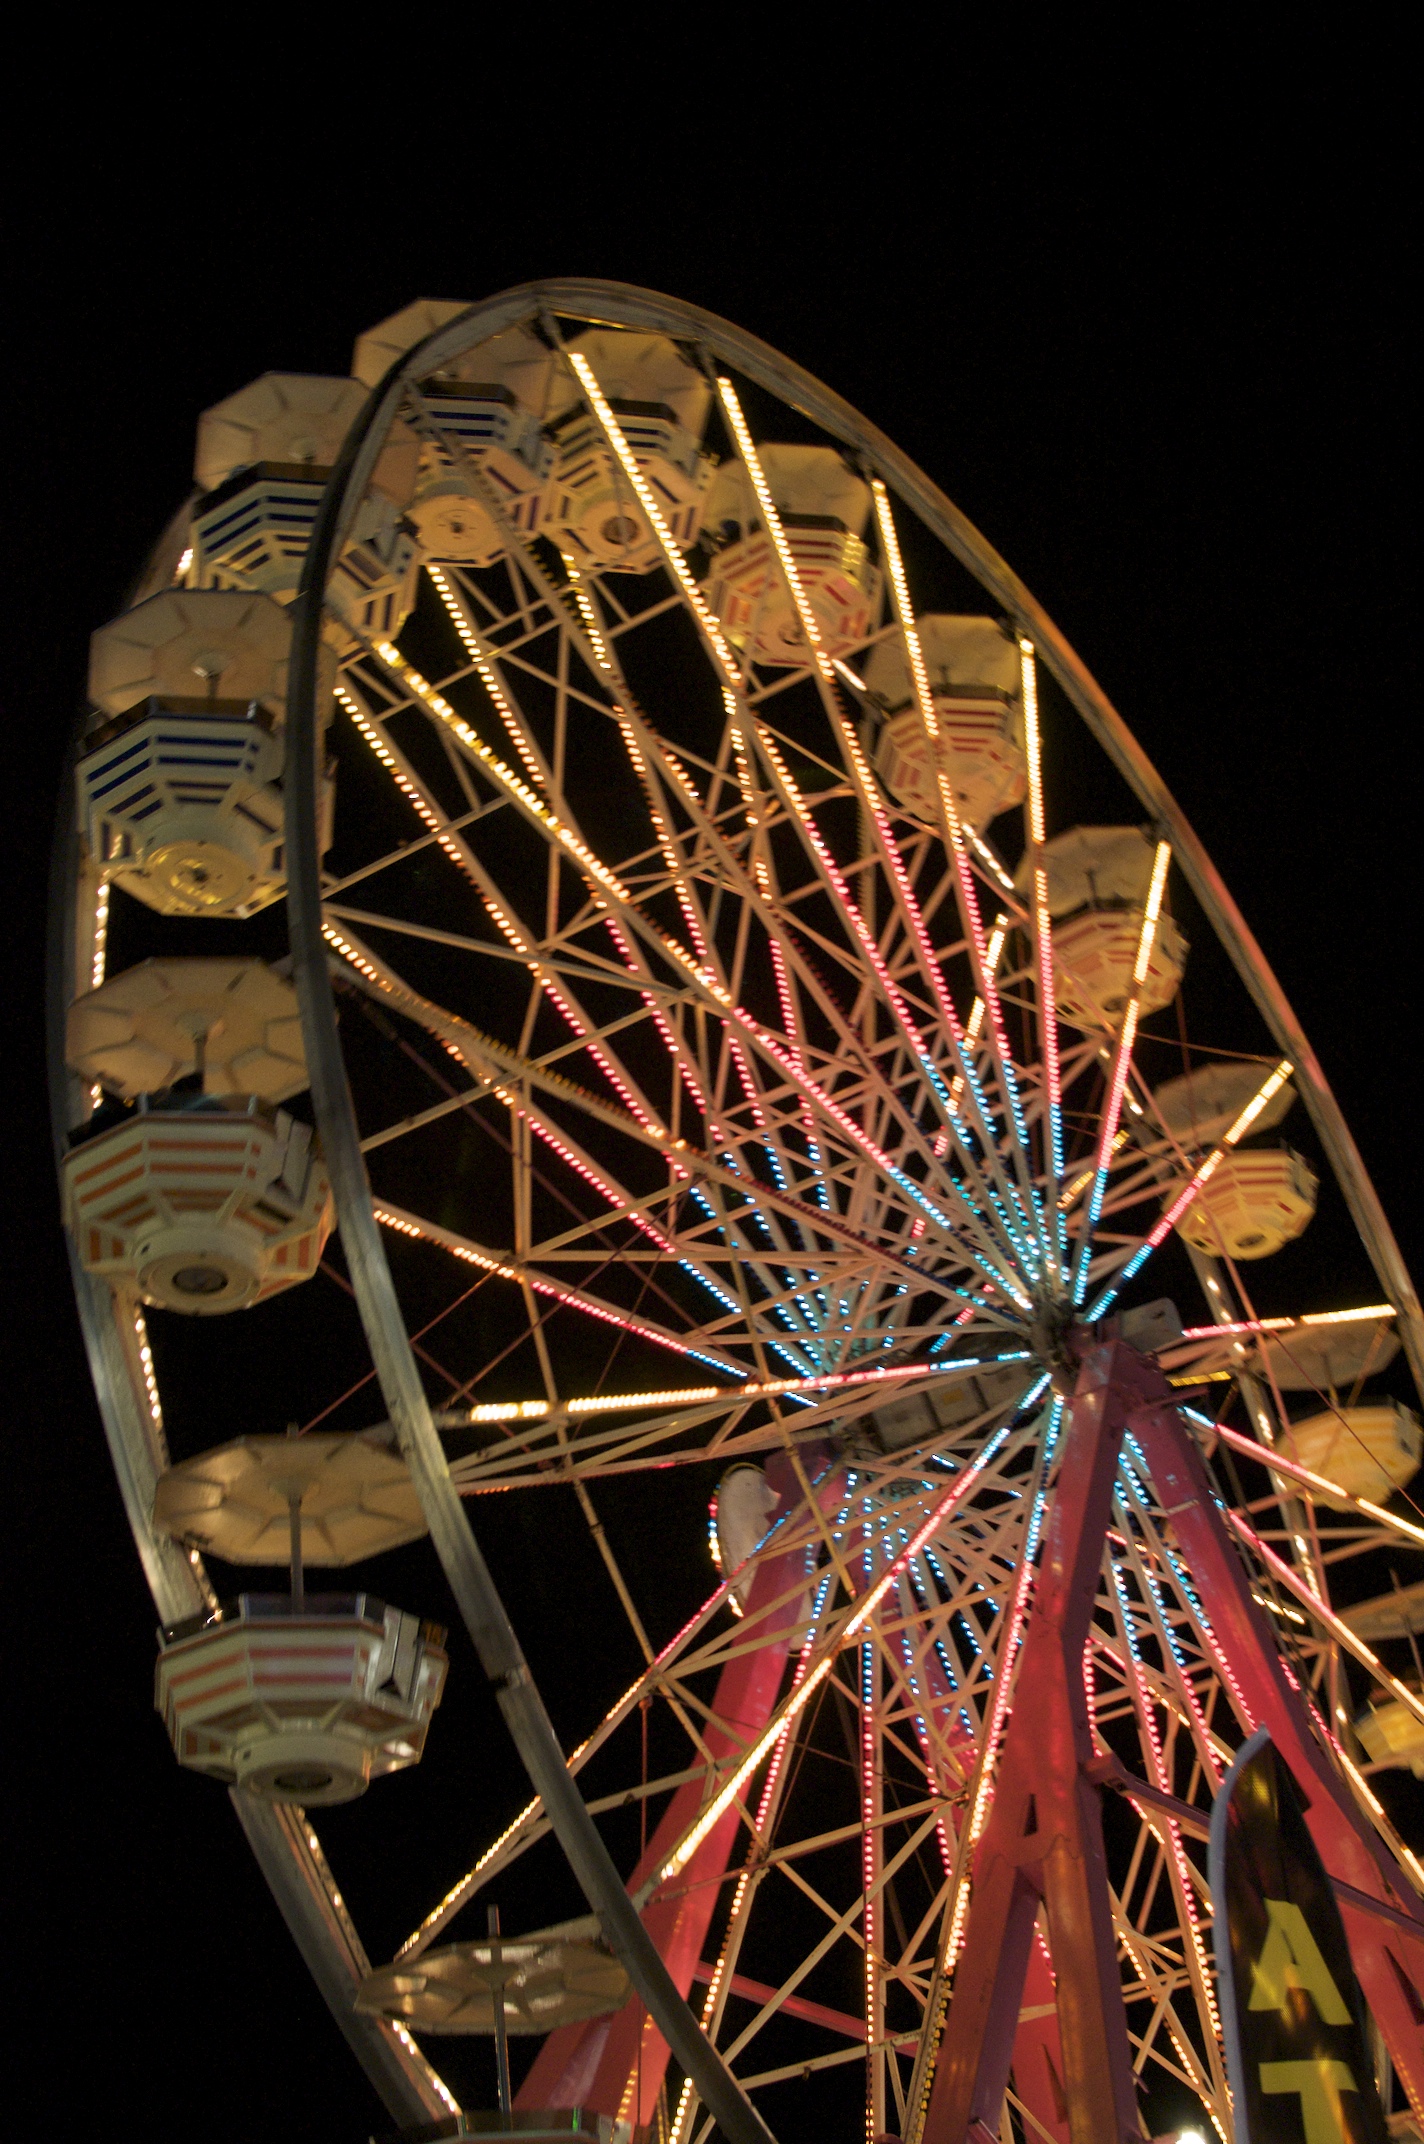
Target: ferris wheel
744,974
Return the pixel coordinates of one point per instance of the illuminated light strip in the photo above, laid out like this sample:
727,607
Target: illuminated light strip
403,1224
794,1703
674,1048
980,1814
611,1721
672,857
1112,1114
1189,1191
771,519
895,996
682,2124
411,790
101,934
609,880
621,1206
1268,1456
408,2043
183,564
691,1396
505,774
1285,1325
587,612
615,1200
1043,920
1138,1491
1361,1786
439,706
732,709
968,896
150,1381
1080,1183
976,1011
1147,1714
1339,1630
613,432
869,1843
987,857
790,1022
488,676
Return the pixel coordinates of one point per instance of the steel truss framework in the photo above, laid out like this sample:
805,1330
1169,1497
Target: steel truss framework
762,1083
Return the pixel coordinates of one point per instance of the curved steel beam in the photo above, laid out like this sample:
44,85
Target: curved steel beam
459,1552
299,1882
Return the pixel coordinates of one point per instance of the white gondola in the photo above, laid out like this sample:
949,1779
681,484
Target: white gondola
179,782
660,403
823,508
1367,1451
1098,877
1257,1200
974,676
305,1703
1200,1107
200,1209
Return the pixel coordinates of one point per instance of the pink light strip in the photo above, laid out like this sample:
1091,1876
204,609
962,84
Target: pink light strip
1043,924
959,854
865,1607
1112,1114
405,1224
1338,1630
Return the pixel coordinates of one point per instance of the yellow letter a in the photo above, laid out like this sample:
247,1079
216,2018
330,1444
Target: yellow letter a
1290,1958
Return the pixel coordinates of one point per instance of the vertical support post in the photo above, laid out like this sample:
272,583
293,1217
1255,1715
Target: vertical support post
1043,1839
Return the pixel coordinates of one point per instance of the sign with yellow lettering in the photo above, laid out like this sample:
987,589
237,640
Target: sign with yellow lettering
1291,2011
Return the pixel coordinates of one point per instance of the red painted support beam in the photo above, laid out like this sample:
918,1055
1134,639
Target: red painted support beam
1043,1838
591,2064
1388,1960
1037,2068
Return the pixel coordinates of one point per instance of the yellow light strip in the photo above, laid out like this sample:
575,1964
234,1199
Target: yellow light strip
587,612
799,1697
1081,1183
414,683
488,676
989,859
697,1395
772,521
1268,1455
101,934
904,609
976,1011
613,432
1219,1153
1253,1110
1151,914
1340,1317
1340,1631
150,1381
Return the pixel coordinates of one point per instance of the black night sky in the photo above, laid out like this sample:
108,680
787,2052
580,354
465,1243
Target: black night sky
1166,375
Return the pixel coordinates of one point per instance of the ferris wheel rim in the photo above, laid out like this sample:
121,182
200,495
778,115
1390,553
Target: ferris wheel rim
645,309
